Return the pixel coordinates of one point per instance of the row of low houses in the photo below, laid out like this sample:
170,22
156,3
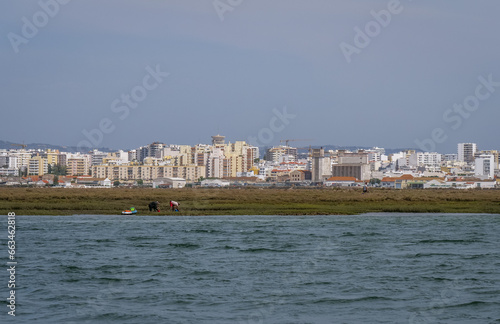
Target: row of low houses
409,182
62,181
402,182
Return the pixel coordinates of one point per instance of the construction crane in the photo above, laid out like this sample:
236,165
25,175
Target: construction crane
294,140
22,145
309,149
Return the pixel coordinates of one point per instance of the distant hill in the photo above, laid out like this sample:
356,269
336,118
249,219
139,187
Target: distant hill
263,149
354,148
349,148
8,145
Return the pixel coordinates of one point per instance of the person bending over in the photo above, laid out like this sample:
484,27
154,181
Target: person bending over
174,205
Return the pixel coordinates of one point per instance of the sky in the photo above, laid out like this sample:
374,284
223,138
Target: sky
122,73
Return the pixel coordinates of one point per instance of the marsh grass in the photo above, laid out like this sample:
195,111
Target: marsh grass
248,201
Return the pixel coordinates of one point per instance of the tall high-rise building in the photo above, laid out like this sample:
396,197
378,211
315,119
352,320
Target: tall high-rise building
321,166
466,152
153,150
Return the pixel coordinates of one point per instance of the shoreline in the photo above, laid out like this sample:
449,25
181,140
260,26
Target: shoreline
409,214
245,201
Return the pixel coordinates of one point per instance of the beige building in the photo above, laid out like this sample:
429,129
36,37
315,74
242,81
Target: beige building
358,171
183,161
226,160
300,175
77,165
147,172
38,166
276,153
52,157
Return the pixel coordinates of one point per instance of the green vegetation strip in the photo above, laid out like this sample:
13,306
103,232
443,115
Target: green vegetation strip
248,201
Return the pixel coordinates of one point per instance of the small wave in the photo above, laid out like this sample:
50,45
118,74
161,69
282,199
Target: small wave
226,247
139,238
144,245
71,280
110,279
372,234
419,255
182,302
438,279
472,303
185,245
108,267
476,256
317,283
71,268
105,240
288,246
260,250
202,273
351,300
447,241
203,231
116,317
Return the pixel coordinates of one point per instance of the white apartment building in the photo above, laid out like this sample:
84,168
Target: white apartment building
8,165
450,157
466,152
23,158
485,166
9,162
97,156
427,159
374,156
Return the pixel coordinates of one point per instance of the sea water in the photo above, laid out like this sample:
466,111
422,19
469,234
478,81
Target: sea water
372,268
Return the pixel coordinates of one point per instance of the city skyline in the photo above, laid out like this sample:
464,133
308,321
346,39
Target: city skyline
6,145
240,162
367,73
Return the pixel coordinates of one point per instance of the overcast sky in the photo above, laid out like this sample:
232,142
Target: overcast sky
197,69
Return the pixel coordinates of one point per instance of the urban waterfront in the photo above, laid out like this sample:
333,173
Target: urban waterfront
370,268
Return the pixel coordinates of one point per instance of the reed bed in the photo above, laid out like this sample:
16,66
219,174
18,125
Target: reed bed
245,201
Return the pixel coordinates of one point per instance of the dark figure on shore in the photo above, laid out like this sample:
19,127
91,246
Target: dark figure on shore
365,188
174,205
154,206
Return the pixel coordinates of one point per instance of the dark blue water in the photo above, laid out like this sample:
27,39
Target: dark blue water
376,268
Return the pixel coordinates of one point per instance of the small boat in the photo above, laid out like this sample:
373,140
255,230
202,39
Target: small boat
130,211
